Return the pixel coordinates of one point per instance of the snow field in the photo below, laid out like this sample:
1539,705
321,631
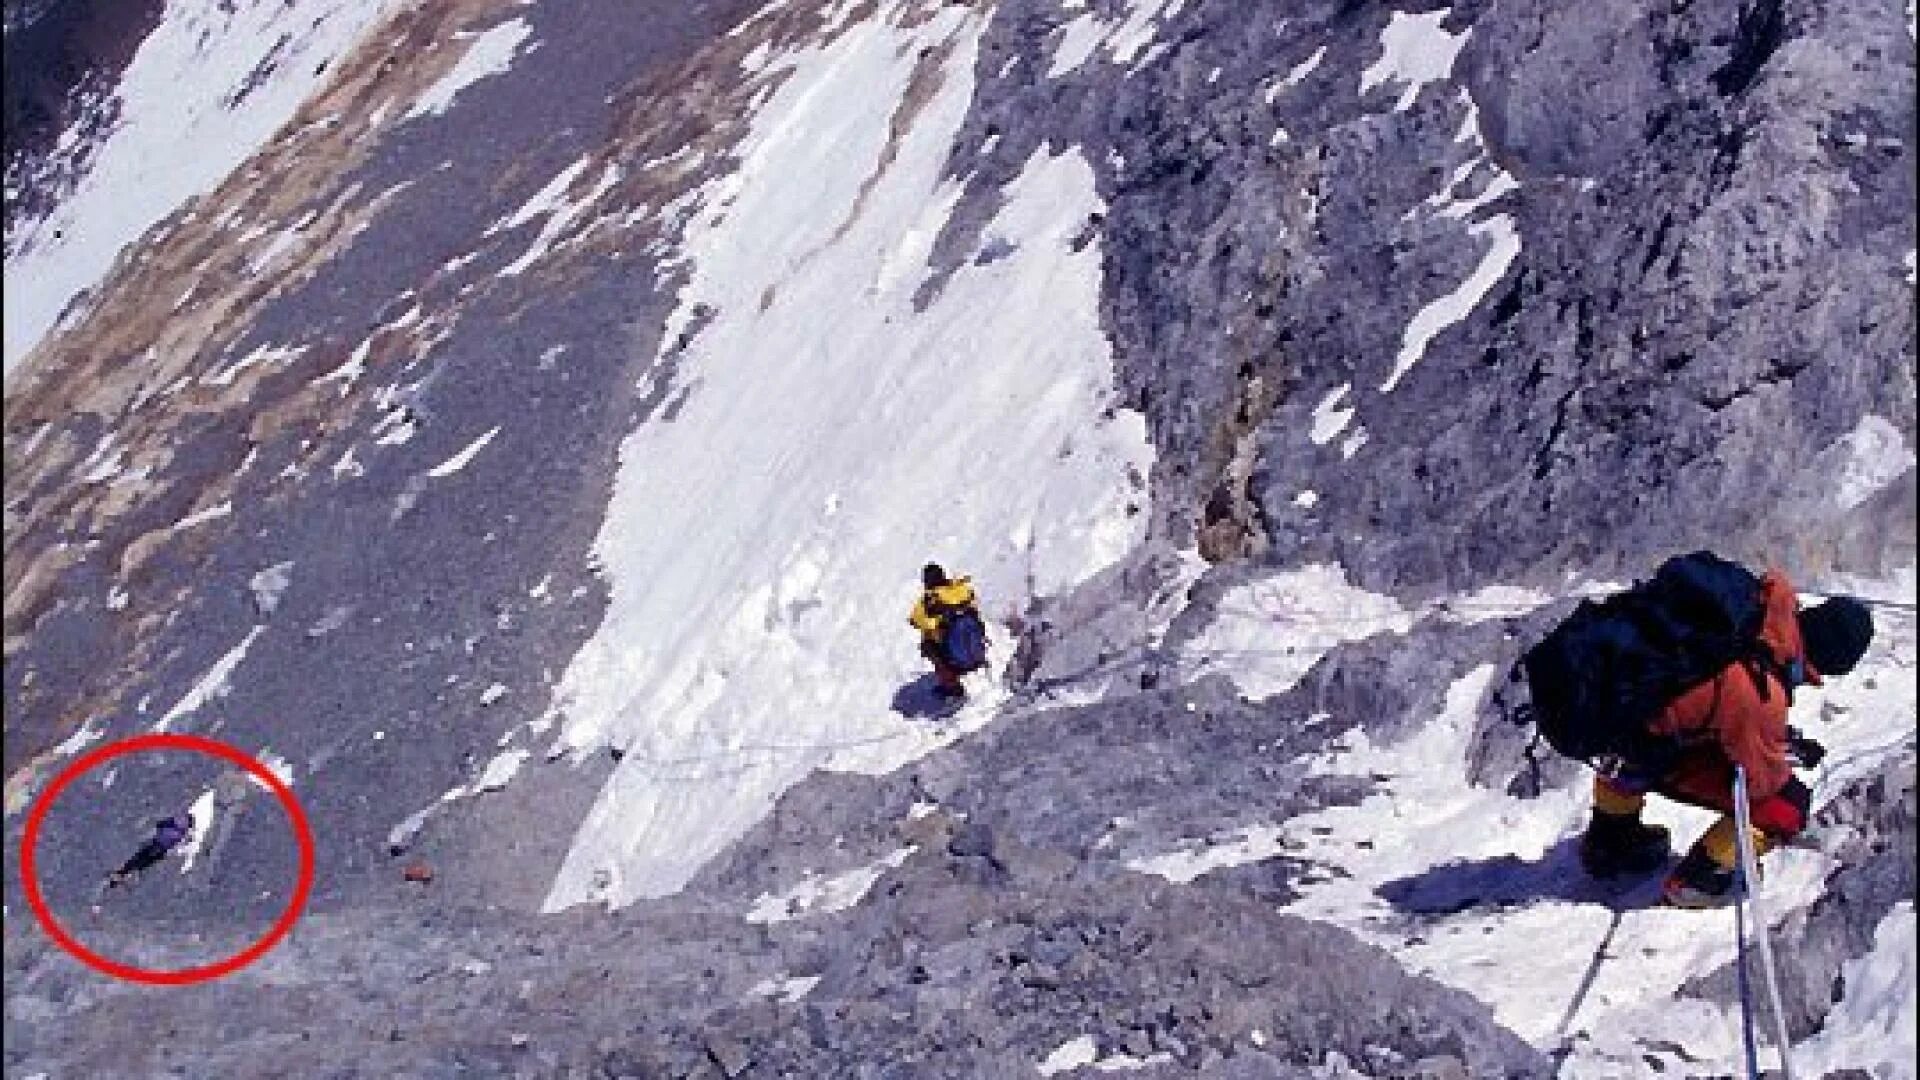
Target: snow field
763,548
176,138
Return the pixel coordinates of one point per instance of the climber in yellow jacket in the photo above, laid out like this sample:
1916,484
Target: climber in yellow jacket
952,636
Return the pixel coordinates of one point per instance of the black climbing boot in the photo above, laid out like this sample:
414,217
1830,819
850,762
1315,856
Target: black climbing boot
1619,844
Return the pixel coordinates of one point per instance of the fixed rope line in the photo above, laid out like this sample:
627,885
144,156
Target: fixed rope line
1749,878
1562,1036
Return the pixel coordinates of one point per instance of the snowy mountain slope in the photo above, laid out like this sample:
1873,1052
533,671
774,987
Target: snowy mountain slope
532,449
253,66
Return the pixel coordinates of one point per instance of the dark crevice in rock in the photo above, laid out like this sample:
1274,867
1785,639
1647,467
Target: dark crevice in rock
1762,29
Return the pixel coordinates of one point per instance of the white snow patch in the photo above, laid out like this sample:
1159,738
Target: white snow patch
785,988
1124,41
179,133
817,895
498,773
349,372
1872,1027
204,515
401,835
1137,31
1414,51
1329,419
104,462
1268,634
202,811
1075,1053
280,767
1875,455
1458,304
264,260
1493,602
738,653
212,686
1297,75
542,202
1449,204
489,53
89,733
459,461
1196,857
1078,38
562,217
501,769
265,354
269,585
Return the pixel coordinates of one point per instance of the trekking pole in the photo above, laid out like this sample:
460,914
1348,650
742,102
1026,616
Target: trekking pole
1740,964
1749,878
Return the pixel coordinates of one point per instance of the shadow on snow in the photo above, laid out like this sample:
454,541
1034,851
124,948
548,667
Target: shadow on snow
918,700
1508,881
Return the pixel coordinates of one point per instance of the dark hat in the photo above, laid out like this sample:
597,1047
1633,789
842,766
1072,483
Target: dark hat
1837,632
932,576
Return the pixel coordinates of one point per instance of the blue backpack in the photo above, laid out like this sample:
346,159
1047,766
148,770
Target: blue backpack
1600,677
965,640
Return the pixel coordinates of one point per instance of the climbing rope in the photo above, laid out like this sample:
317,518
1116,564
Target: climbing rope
1746,893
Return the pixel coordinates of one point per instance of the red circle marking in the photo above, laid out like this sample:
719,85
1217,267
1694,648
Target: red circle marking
183,976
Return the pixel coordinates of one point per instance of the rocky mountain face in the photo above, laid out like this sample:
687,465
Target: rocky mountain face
1429,319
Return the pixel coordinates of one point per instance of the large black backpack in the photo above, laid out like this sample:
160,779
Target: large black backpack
1600,677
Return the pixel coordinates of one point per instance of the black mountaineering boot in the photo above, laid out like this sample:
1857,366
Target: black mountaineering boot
1698,882
1618,844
